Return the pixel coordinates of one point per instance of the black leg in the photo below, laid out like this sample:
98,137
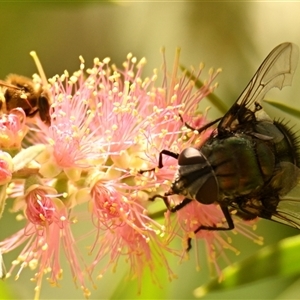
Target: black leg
228,220
44,107
33,113
202,227
203,128
179,206
168,153
160,160
166,201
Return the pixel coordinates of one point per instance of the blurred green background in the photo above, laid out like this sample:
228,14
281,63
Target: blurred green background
231,35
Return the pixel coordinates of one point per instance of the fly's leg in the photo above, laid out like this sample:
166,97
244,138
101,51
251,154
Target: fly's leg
168,153
203,128
160,159
160,165
175,208
182,204
202,227
186,201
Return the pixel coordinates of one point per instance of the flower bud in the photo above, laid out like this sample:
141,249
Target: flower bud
6,167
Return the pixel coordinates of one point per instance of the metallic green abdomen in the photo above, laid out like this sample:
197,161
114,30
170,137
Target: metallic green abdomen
242,164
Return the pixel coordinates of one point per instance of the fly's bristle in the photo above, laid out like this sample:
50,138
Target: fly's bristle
292,139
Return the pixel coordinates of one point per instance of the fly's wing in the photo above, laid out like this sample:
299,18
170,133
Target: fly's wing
288,209
281,209
287,212
277,70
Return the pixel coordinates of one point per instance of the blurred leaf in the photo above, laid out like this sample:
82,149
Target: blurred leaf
281,259
216,101
284,108
291,292
25,156
128,289
5,292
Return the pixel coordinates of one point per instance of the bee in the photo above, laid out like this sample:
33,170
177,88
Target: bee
250,162
20,91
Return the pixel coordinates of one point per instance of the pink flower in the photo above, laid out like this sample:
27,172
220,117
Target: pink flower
12,129
195,214
6,167
169,133
122,104
107,125
46,232
128,232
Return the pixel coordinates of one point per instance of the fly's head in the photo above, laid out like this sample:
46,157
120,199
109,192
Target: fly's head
195,178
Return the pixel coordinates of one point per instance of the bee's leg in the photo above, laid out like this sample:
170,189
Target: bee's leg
44,107
32,113
203,128
160,160
202,227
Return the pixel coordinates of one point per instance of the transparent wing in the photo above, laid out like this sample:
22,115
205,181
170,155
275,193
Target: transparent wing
288,213
277,70
288,209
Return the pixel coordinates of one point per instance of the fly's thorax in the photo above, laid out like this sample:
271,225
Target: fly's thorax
195,178
267,131
242,164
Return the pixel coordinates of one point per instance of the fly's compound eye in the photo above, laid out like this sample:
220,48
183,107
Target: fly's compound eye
190,156
200,176
209,191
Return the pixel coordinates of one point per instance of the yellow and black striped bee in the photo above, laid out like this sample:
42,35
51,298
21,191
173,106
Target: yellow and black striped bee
20,91
250,162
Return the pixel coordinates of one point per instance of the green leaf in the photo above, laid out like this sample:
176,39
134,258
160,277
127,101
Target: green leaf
6,291
216,101
292,291
281,259
284,108
152,284
25,156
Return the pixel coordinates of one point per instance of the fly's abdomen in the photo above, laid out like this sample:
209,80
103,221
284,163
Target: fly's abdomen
241,164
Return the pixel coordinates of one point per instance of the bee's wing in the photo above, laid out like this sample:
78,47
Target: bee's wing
277,70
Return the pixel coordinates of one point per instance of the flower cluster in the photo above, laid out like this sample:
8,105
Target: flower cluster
107,124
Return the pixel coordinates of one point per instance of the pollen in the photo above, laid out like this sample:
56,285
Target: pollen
42,217
129,56
86,292
142,63
96,61
73,79
173,98
134,60
107,125
33,263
